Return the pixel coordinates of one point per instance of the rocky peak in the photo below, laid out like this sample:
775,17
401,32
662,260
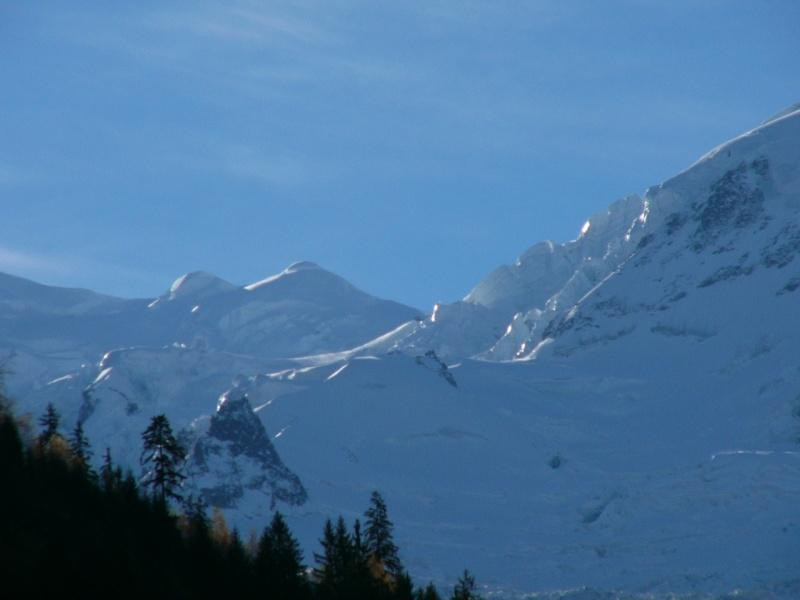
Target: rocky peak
235,422
236,456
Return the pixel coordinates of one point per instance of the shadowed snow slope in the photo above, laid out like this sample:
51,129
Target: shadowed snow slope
628,418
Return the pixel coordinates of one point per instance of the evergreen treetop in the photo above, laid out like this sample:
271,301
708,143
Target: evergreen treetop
49,423
81,449
465,588
379,538
162,458
279,561
110,476
427,593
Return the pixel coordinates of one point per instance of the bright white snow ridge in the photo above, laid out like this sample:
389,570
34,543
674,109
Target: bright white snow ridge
621,411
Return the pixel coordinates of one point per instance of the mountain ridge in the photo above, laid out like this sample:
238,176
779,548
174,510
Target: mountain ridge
53,330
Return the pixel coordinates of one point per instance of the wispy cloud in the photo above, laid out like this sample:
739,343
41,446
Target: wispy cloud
241,22
19,261
70,270
259,165
302,65
242,45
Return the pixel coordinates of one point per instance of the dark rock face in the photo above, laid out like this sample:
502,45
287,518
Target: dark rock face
236,455
432,361
783,248
736,200
791,285
235,422
724,274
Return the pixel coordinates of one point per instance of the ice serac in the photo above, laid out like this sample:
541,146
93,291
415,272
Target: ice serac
535,276
713,256
543,270
499,316
235,456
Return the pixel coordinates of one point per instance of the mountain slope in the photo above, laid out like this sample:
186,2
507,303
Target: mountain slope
713,255
733,213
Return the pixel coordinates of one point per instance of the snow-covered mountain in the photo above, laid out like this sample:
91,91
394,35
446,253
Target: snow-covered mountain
302,310
619,411
732,214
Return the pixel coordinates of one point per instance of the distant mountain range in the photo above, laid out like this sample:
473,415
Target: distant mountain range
302,310
619,411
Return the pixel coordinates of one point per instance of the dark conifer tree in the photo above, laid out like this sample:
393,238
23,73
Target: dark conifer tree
162,458
325,559
427,593
11,451
127,488
279,562
344,549
336,570
366,580
360,553
49,423
379,538
205,557
110,476
81,449
403,588
196,512
236,557
5,401
107,468
465,588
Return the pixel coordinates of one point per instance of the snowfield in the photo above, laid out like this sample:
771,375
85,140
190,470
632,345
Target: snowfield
619,412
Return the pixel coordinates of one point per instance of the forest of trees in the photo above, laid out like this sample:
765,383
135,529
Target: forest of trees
65,529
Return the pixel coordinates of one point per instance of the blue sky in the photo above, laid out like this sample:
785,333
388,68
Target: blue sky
410,147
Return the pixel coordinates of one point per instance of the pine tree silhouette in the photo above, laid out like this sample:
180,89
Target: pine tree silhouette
11,452
427,593
326,559
162,458
81,450
110,476
465,588
360,552
49,423
6,403
403,588
379,539
342,571
279,562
